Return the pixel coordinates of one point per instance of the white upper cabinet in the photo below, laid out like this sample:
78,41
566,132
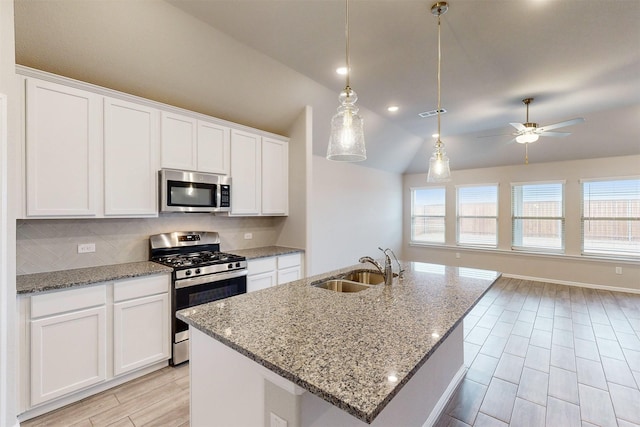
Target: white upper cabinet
275,177
259,169
179,142
131,145
194,145
63,144
214,148
246,165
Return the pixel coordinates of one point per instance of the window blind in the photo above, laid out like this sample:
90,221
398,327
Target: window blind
538,216
611,217
477,219
428,214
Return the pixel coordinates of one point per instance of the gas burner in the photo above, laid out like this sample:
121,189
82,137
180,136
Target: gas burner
196,259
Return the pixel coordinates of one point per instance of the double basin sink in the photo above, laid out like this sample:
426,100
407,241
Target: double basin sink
353,281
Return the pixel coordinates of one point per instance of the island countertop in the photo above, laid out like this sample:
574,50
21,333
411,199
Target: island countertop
354,350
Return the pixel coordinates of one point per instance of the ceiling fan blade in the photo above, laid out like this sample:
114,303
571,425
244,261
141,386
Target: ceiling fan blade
561,124
554,133
518,126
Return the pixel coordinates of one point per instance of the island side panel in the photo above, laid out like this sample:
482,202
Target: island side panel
419,402
225,388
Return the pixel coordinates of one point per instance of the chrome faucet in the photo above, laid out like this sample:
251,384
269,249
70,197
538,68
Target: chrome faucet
386,271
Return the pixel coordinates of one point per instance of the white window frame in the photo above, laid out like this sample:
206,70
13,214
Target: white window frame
583,218
561,218
458,216
414,216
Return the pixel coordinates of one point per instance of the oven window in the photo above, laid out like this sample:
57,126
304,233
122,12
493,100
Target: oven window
208,292
191,194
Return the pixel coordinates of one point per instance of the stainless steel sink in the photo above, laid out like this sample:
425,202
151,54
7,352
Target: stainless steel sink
365,276
353,281
339,285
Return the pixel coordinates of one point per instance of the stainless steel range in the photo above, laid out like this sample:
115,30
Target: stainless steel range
201,274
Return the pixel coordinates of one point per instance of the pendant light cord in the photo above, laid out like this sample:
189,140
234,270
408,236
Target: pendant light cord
346,34
439,143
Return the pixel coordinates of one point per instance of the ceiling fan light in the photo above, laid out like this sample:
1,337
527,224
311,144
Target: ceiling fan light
527,138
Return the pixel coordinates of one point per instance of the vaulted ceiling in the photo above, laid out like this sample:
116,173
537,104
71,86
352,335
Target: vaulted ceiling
576,58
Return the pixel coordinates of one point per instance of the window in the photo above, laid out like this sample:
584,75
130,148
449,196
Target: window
427,214
611,217
478,215
538,216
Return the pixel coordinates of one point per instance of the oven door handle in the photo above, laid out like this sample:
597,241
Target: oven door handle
210,278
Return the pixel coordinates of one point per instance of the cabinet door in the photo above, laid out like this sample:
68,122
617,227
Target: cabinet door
289,274
131,145
245,173
275,177
63,159
179,149
141,332
213,148
261,281
68,353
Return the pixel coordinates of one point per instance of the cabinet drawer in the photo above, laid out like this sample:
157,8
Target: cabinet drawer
140,287
289,260
261,265
69,300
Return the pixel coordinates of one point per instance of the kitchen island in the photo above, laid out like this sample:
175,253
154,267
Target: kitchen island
299,355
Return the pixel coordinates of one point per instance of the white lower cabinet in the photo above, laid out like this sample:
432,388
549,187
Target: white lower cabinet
271,271
289,268
68,343
261,273
80,338
68,353
140,324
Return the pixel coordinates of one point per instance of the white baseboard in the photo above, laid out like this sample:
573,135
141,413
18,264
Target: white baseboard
446,396
570,283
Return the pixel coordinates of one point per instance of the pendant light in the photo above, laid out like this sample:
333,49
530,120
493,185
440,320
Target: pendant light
346,142
439,162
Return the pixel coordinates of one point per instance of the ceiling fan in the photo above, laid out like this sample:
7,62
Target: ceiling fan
529,132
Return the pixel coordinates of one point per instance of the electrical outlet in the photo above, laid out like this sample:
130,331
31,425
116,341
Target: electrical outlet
618,270
276,421
457,255
86,248
248,236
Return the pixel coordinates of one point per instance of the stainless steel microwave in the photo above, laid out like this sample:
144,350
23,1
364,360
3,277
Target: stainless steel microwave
184,191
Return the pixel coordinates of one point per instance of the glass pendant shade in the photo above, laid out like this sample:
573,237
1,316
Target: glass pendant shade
439,167
346,142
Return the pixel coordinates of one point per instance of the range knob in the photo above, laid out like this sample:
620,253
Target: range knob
230,265
197,271
187,273
237,264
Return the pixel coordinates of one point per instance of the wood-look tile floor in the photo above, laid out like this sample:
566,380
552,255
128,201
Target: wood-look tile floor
160,398
539,354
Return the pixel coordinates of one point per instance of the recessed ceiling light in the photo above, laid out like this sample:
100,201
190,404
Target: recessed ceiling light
393,108
342,71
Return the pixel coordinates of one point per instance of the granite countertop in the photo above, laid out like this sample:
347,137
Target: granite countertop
265,251
40,282
343,347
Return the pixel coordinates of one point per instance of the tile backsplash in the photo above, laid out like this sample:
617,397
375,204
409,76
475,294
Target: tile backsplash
52,244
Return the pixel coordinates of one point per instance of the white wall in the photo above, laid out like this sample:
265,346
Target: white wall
9,136
571,267
293,231
354,210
